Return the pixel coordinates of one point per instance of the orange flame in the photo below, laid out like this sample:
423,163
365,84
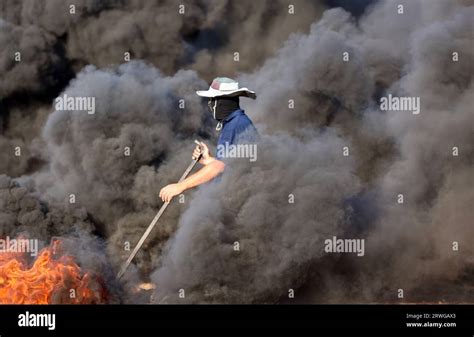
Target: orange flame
51,279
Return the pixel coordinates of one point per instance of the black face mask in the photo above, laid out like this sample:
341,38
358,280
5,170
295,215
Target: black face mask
221,107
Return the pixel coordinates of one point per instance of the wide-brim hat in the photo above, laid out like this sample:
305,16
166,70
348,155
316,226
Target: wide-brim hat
224,86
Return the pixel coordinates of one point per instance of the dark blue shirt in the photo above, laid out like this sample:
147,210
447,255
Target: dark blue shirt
237,128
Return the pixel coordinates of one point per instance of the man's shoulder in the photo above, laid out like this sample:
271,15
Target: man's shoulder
243,130
240,119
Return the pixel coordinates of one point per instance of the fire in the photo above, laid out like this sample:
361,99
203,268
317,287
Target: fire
53,278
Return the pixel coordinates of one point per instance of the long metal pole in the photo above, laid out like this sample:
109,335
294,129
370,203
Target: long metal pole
153,223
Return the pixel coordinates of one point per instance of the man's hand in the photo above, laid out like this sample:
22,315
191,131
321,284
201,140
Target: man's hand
203,151
168,192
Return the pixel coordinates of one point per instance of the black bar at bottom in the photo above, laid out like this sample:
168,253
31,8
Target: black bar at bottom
240,320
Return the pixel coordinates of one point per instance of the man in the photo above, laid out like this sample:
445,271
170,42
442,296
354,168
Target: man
232,122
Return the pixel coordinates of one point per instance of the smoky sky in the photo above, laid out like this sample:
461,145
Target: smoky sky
311,105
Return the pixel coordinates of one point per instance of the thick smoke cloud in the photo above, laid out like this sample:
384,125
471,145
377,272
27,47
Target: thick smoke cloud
53,40
22,212
254,29
336,105
434,182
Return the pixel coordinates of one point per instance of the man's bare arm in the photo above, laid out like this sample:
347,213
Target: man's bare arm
212,168
205,174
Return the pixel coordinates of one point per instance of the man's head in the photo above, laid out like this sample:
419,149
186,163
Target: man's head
224,96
